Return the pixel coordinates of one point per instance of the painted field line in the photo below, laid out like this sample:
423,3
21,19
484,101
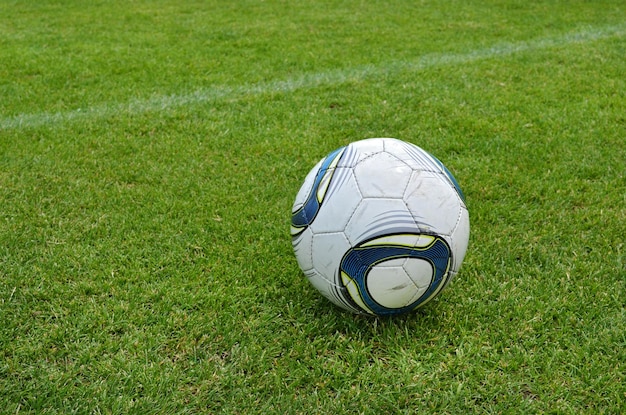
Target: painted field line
307,81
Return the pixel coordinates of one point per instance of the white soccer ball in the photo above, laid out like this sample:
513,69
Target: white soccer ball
380,227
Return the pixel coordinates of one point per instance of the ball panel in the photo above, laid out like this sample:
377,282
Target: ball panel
460,239
390,286
307,187
328,249
353,292
412,155
420,272
374,217
382,175
435,205
304,213
358,262
303,249
366,148
342,200
413,240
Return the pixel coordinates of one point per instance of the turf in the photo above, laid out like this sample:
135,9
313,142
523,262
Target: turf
150,153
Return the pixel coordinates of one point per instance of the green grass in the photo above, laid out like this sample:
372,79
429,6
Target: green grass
150,153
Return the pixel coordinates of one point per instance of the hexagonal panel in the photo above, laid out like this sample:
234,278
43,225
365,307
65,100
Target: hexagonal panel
412,155
389,285
340,201
460,240
366,148
433,202
328,249
420,272
302,245
382,175
376,217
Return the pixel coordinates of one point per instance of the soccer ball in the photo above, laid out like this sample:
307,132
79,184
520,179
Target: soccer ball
380,227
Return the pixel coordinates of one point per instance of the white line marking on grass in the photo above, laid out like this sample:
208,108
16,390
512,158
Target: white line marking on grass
306,81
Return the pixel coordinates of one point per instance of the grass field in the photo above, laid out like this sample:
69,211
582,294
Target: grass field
150,152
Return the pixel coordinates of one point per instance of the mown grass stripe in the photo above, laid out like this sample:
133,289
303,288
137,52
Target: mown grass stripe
308,81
